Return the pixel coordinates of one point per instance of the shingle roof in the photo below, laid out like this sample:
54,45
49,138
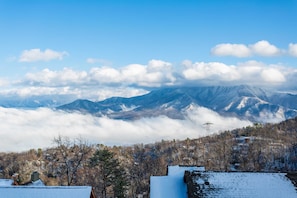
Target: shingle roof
244,184
201,183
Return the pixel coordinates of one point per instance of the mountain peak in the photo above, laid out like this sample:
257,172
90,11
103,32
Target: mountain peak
242,101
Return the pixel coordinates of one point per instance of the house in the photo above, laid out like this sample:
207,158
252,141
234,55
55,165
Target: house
35,188
193,182
172,185
239,184
6,182
47,192
35,180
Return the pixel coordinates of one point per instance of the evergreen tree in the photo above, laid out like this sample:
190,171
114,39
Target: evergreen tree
120,183
110,172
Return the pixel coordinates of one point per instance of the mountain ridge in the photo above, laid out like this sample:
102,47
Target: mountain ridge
245,102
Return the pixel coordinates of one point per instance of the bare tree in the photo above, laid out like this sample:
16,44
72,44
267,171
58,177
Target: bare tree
69,157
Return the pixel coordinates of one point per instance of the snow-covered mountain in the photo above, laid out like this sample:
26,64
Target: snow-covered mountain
32,102
244,102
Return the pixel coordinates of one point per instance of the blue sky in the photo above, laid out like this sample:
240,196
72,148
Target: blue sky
43,40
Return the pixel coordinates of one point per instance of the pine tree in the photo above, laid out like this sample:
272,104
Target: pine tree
120,183
110,172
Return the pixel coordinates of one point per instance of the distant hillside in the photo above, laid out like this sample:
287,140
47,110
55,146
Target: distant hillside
244,102
50,101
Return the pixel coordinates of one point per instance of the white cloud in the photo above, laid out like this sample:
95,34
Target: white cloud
26,129
105,75
156,73
293,49
227,49
66,94
260,48
213,71
272,75
53,78
251,72
158,65
264,48
34,55
102,82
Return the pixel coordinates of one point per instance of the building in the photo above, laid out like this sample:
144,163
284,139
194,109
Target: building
172,185
35,188
193,182
47,192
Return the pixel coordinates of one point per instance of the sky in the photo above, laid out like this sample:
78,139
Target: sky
98,49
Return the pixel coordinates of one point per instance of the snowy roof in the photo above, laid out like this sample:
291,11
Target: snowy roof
238,184
222,184
173,185
38,182
9,182
46,191
180,170
6,182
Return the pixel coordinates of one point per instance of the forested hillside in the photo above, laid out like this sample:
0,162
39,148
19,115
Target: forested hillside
125,171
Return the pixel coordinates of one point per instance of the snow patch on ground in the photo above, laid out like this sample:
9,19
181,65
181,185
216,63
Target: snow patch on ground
242,103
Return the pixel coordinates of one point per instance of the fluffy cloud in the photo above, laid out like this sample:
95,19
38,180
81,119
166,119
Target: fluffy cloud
67,94
155,74
53,78
105,75
102,82
293,49
264,48
272,75
251,72
212,70
260,48
34,55
26,129
227,49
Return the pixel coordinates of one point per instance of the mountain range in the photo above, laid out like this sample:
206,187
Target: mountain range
33,102
244,102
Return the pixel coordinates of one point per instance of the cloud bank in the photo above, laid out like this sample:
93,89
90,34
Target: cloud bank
26,129
99,83
260,48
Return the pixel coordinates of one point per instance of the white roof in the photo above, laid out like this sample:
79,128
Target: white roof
223,184
256,185
46,191
173,185
9,182
180,170
6,182
38,182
